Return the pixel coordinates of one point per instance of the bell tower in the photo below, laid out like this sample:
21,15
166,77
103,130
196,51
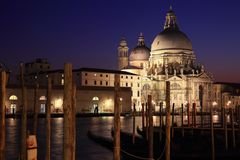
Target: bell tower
122,54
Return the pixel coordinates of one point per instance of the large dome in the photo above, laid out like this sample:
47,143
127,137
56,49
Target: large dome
171,39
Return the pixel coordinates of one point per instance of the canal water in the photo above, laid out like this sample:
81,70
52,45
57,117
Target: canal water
85,149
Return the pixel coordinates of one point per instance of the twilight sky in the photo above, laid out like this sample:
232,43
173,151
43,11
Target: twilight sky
87,32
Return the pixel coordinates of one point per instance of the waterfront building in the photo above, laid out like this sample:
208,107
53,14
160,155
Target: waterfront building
226,94
171,58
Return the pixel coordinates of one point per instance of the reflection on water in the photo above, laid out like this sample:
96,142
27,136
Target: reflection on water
86,149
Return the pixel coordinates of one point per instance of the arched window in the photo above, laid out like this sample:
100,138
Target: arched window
43,98
95,99
13,97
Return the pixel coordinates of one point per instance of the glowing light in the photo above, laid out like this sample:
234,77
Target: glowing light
214,103
43,98
13,97
228,103
95,99
58,103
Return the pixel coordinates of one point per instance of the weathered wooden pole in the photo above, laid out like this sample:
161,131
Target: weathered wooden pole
48,119
168,124
67,107
117,124
173,119
23,155
201,114
182,121
233,128
222,116
36,109
147,121
143,117
2,116
188,114
74,103
225,128
194,114
212,133
239,120
133,116
150,128
160,121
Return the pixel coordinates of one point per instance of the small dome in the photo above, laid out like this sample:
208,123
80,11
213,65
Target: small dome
171,39
141,52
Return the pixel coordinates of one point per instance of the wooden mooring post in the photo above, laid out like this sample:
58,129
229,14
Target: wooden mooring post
23,153
233,128
182,121
74,101
133,116
225,129
173,106
168,124
68,146
143,117
117,124
36,110
188,114
160,121
147,120
194,114
239,120
48,119
2,116
212,133
150,128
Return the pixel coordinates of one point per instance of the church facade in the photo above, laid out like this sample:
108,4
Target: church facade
170,58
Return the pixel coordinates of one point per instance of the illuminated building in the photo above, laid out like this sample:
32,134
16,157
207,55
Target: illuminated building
171,58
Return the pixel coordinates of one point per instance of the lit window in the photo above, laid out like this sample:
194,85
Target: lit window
13,97
95,74
62,81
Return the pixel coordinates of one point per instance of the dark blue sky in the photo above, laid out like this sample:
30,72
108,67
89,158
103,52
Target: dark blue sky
87,32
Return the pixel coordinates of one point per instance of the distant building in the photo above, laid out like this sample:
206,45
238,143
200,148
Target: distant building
226,94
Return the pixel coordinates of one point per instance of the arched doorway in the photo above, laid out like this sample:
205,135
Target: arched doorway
95,107
13,104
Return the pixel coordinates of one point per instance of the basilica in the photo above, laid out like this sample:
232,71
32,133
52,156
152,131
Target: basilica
170,58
